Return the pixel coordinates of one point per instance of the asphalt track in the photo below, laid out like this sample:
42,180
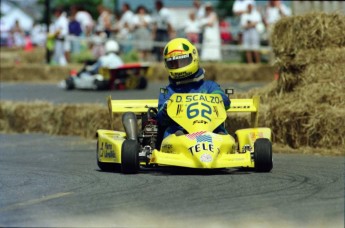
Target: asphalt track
54,181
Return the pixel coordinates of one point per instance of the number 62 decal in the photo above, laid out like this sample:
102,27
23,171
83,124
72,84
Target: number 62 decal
194,112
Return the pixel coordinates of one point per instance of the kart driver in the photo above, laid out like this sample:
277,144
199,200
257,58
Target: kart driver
185,76
110,60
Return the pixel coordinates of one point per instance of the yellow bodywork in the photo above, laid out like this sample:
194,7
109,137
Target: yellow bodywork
200,115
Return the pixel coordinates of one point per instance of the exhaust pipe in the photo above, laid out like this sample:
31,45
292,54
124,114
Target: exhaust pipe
129,121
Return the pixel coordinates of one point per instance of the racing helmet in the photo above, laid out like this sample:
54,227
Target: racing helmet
111,46
181,58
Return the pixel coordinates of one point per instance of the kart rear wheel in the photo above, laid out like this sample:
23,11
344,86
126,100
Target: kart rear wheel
132,82
263,155
69,83
142,83
130,156
107,167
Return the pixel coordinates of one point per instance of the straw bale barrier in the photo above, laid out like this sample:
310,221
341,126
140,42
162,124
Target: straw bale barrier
307,104
11,55
33,73
70,119
64,119
216,71
309,31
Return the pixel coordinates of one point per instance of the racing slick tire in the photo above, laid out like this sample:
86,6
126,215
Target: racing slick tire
69,83
100,85
107,167
131,82
142,83
263,155
130,156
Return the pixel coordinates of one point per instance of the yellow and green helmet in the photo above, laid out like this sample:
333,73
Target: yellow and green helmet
181,58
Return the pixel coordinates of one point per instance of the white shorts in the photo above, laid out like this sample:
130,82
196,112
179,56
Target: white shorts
251,39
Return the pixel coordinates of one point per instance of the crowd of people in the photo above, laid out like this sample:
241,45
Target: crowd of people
147,32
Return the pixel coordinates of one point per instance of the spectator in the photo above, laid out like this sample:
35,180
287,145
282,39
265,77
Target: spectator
17,35
74,31
60,32
142,34
85,20
199,10
104,19
97,42
239,8
274,11
251,36
125,26
162,27
211,45
38,34
126,20
192,28
225,33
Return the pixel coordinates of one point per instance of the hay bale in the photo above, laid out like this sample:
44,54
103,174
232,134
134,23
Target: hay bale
18,55
300,124
63,119
310,31
319,70
306,104
34,72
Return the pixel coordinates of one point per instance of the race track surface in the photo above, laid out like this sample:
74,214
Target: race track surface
51,92
54,181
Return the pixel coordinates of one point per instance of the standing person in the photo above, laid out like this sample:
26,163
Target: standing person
162,27
192,28
225,33
38,34
142,34
211,45
17,34
74,31
104,19
60,32
125,26
97,41
185,76
85,20
199,10
273,12
239,8
251,36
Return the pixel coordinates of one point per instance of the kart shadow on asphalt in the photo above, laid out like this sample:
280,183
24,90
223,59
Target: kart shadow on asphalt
170,170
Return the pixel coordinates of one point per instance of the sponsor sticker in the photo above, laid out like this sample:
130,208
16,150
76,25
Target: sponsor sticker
206,158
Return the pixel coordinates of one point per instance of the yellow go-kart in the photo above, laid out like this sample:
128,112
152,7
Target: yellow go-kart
141,145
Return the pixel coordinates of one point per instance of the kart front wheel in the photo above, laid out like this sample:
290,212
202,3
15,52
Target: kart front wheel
263,155
130,156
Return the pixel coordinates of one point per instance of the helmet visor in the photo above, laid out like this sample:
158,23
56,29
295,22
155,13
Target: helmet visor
178,61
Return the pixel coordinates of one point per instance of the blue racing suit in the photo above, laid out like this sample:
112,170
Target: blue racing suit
201,86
